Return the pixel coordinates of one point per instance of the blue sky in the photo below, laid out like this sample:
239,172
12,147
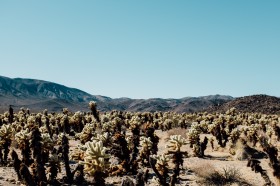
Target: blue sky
144,49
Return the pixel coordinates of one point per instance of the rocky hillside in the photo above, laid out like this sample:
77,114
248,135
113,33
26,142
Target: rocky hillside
38,95
255,103
189,104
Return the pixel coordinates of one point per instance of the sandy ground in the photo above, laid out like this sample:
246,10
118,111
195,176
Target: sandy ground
214,160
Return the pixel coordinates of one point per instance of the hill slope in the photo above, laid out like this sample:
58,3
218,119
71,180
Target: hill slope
255,103
38,95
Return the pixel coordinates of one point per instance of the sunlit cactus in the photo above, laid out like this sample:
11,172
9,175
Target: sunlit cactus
123,135
96,161
6,131
162,166
47,142
31,122
234,135
108,126
145,143
22,136
252,133
167,124
177,141
145,151
193,134
95,158
22,139
135,122
101,137
155,181
87,133
174,149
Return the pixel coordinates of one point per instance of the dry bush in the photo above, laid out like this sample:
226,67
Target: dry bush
210,176
178,131
203,170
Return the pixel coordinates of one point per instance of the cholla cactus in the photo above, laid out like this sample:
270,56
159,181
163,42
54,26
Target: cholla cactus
193,136
145,143
252,133
234,135
145,151
162,163
96,158
92,106
31,122
59,138
108,126
96,161
155,181
159,164
86,134
54,159
77,121
43,129
47,142
135,122
167,124
204,125
101,137
177,141
269,131
6,132
78,153
65,111
162,159
53,167
212,127
22,136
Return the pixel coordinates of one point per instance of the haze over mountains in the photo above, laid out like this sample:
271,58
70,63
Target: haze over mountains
38,95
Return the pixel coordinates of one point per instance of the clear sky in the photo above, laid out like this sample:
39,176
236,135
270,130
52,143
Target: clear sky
145,49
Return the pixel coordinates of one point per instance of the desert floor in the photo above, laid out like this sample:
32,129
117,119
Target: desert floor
194,168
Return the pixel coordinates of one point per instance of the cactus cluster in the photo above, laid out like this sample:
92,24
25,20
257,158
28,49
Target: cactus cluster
124,143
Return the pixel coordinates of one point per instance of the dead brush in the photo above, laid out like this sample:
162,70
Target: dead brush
210,176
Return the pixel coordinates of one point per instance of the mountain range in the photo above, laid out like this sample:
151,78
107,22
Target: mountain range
38,95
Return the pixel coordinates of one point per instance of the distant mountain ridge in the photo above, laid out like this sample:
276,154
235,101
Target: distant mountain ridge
255,104
38,95
28,88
